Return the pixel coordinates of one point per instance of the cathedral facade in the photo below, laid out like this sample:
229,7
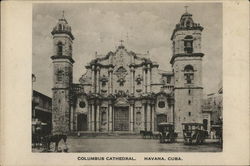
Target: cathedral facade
123,91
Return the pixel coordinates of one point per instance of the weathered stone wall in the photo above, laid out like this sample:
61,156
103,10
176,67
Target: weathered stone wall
186,112
179,43
60,112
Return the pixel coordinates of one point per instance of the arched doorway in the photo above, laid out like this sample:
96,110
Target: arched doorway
82,124
161,118
205,124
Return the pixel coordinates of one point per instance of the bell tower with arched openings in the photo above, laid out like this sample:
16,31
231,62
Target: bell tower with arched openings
187,68
62,76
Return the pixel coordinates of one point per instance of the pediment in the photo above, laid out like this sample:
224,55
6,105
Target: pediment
121,102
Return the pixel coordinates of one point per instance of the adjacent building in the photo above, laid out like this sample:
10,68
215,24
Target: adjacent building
41,111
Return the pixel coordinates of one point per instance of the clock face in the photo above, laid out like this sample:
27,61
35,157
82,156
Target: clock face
82,104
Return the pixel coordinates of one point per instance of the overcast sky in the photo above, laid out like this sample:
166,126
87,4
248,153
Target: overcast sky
144,27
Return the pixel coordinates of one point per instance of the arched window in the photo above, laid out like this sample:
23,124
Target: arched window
188,44
60,27
60,75
188,24
189,74
60,49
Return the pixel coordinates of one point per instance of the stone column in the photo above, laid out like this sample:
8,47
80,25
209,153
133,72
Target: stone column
71,118
110,118
93,79
144,79
97,118
153,117
89,118
93,117
131,81
148,116
109,83
149,79
98,80
111,73
131,117
143,116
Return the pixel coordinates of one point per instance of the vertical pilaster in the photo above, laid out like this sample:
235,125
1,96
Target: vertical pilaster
93,79
89,118
144,79
148,116
111,72
133,81
109,83
71,118
97,118
110,118
98,80
93,117
153,117
144,120
149,79
131,117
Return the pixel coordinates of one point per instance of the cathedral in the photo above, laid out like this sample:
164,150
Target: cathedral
123,91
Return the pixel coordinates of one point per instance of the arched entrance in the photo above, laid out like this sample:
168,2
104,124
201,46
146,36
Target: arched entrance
205,124
82,124
161,118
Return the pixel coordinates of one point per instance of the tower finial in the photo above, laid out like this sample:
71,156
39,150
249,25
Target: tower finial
63,14
121,42
186,8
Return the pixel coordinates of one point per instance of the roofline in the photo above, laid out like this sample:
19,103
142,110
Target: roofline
42,94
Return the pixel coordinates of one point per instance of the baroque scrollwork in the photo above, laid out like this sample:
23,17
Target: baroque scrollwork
121,73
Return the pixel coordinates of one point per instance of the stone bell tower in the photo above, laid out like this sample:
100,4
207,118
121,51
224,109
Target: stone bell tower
62,76
187,67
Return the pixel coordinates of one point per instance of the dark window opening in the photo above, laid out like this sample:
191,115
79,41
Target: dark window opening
59,27
188,74
189,113
103,83
168,80
188,44
60,75
189,102
121,83
60,49
189,77
189,91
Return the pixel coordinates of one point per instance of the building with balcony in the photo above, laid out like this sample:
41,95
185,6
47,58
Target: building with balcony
41,111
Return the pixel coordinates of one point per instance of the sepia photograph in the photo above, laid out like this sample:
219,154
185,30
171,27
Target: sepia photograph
127,77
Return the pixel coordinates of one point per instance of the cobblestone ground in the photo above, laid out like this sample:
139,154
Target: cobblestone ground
135,145
76,144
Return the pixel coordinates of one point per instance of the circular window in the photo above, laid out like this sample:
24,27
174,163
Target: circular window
161,104
82,104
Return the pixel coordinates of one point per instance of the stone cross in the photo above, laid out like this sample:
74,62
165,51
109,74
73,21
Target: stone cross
186,8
